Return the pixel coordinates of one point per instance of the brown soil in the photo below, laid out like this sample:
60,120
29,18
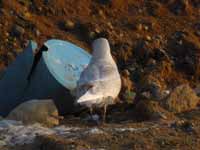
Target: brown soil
154,41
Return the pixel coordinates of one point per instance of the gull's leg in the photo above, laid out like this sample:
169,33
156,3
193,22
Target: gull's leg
104,113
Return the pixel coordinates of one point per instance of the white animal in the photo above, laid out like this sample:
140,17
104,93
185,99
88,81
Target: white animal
100,82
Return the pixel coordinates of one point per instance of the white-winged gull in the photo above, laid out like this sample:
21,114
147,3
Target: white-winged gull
99,83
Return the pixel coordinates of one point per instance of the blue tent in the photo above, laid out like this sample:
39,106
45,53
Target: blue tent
51,73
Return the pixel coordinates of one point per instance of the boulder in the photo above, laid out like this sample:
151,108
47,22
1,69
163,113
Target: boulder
181,99
149,110
36,111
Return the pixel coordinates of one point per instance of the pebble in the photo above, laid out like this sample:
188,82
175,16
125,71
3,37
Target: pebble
37,32
121,34
146,28
139,26
110,25
7,34
101,13
146,94
92,35
151,62
183,125
197,33
126,72
97,30
148,38
69,25
18,30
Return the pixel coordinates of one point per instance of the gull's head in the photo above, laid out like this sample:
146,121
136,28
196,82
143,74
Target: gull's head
101,48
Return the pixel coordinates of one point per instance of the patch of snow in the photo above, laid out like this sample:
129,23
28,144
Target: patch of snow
95,131
15,133
62,130
130,129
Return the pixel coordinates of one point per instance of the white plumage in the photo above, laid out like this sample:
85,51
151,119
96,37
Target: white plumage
100,82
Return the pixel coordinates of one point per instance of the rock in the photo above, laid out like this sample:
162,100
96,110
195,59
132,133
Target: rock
184,48
69,25
151,87
139,26
59,143
110,25
149,110
152,8
92,35
197,33
148,38
101,13
146,27
186,126
151,63
17,31
36,111
146,95
181,99
160,54
179,7
37,32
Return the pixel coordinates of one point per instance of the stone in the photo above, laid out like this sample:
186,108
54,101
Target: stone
149,110
56,142
146,27
37,32
151,87
146,95
36,111
110,25
139,26
69,25
181,99
179,7
17,31
197,33
148,38
184,48
92,35
186,126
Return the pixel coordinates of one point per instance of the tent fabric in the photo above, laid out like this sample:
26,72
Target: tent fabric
14,80
54,76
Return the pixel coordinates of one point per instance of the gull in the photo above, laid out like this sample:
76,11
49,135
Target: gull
100,82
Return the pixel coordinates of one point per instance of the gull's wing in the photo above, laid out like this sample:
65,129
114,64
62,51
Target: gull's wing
98,71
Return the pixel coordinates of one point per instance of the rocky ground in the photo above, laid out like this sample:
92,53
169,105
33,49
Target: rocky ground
156,44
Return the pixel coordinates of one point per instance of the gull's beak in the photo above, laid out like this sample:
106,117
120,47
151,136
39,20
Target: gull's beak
88,97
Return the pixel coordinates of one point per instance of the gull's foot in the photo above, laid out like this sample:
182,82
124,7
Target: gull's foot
93,119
